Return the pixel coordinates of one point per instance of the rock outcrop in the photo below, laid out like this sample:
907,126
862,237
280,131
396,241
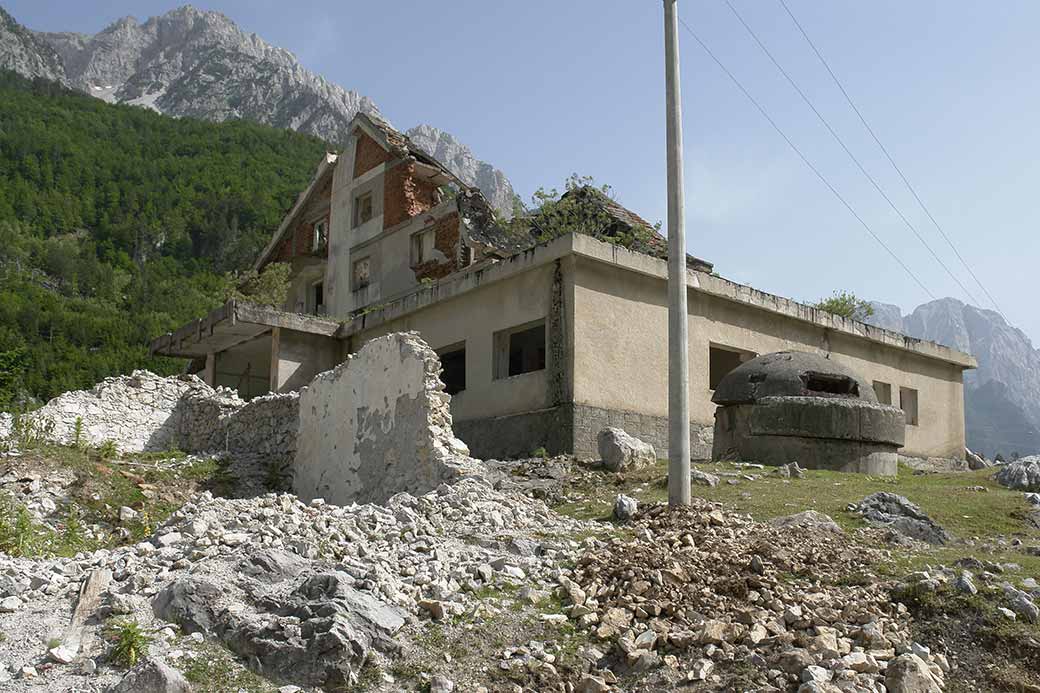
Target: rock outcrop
1021,475
900,515
26,53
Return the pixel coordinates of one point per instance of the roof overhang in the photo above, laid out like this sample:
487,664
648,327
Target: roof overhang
234,323
325,167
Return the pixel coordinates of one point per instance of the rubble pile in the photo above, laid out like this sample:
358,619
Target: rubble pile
698,589
303,592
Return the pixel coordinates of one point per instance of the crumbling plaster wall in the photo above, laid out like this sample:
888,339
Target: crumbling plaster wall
377,425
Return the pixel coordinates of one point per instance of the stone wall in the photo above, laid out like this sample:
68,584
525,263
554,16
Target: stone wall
377,425
137,412
143,412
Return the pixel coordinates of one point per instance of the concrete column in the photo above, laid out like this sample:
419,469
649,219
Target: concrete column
209,374
678,357
276,338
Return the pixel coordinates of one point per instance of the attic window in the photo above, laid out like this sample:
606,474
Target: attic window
319,236
830,384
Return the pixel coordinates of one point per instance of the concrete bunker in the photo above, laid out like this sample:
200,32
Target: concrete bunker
794,406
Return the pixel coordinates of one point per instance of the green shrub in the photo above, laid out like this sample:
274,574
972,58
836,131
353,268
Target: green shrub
129,642
107,450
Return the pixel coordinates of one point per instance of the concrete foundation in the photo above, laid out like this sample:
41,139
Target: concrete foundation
571,429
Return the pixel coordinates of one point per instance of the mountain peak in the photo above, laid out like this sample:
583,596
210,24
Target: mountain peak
198,63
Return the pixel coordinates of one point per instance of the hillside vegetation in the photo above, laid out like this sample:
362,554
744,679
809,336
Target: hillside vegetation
117,224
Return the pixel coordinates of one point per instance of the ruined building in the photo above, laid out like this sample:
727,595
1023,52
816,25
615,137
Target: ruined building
543,341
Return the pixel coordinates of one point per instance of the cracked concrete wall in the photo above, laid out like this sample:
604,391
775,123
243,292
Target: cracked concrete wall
377,425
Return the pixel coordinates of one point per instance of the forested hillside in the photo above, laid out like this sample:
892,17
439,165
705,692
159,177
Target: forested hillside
117,224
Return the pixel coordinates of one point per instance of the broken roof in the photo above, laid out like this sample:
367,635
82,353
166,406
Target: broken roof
325,167
617,225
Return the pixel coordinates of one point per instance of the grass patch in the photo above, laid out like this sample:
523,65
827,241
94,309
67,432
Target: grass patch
103,483
982,517
215,670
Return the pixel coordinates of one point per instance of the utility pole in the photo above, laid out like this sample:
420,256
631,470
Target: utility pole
678,354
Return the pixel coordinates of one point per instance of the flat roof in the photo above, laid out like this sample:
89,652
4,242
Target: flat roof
233,323
599,251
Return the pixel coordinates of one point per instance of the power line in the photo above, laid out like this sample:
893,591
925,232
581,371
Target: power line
841,142
888,156
806,161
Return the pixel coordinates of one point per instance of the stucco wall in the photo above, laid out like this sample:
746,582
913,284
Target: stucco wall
377,425
621,330
296,357
473,318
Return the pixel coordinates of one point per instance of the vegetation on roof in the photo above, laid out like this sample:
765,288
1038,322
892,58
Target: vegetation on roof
587,208
847,305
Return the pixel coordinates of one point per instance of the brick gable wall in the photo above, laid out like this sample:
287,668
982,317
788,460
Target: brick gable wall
368,155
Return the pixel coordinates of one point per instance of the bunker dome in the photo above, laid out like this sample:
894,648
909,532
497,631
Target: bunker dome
793,406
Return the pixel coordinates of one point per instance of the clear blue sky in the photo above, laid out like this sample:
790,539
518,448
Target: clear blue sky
546,88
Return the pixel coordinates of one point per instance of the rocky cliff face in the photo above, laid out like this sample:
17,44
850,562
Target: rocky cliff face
1002,397
22,51
190,62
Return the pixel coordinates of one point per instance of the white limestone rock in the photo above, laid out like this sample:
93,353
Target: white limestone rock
621,452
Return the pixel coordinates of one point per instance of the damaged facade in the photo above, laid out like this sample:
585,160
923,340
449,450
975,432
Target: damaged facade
542,344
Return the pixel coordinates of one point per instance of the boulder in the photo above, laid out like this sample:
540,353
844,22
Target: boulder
703,478
152,676
899,514
976,461
314,628
621,452
910,674
1022,475
625,507
807,519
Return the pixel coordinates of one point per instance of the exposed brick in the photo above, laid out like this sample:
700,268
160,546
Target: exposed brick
298,241
369,154
446,240
404,195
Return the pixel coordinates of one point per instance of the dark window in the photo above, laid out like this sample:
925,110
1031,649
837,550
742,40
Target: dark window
908,403
453,368
830,384
721,361
520,350
319,298
883,392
